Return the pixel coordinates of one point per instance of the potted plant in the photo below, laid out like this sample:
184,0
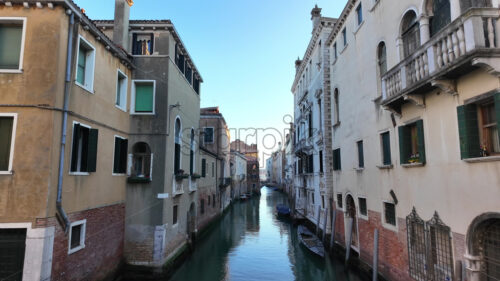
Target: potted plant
414,158
195,176
180,175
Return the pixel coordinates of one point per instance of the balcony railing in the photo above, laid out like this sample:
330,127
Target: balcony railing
472,34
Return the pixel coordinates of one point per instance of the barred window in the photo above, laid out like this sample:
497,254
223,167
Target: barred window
390,213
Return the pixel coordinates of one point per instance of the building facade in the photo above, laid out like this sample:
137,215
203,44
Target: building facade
415,145
251,152
63,116
238,175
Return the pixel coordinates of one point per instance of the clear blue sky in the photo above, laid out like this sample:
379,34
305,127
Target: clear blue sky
244,49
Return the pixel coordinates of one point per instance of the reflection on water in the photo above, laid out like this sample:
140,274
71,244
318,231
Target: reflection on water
250,243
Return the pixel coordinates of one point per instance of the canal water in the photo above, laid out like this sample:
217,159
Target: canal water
250,243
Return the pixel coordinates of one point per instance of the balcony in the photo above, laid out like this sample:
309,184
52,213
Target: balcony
469,42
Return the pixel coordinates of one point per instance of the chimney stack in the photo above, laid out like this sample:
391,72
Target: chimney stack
298,62
121,22
315,16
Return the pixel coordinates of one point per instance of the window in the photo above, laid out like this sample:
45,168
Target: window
478,125
359,14
213,169
323,201
142,44
142,161
177,147
174,215
336,107
213,200
121,91
77,236
411,143
191,154
196,85
361,157
208,201
362,207
410,33
344,36
339,201
85,65
310,124
336,160
204,170
321,161
84,149
320,119
202,206
12,32
386,148
382,58
390,213
209,135
7,138
143,100
441,15
335,53
120,156
189,74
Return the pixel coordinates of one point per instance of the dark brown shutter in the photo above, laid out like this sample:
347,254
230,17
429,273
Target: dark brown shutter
116,160
123,156
421,141
74,151
404,144
92,151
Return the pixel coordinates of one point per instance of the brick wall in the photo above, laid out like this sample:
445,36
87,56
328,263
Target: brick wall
102,255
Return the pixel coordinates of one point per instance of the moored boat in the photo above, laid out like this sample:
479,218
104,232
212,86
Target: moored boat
282,210
310,241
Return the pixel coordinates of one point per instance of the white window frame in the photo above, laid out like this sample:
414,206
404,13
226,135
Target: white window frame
384,223
12,142
83,223
89,65
113,164
123,106
213,135
71,151
23,37
132,101
380,133
365,217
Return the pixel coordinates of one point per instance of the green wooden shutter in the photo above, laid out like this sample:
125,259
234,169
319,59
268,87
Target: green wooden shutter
497,111
386,146
144,97
421,141
80,71
203,167
92,150
468,130
123,156
116,161
404,144
74,151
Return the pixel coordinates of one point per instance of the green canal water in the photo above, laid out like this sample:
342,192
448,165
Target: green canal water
250,243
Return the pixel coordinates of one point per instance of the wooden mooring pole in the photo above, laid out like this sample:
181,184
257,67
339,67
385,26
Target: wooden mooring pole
375,256
332,237
317,220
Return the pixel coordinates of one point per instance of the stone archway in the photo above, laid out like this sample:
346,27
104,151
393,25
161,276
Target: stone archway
483,243
350,213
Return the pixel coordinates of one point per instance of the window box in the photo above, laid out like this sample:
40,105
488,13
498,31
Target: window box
411,143
195,176
12,35
180,175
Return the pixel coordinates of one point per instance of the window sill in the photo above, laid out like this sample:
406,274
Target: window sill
336,124
334,61
138,180
390,166
343,49
118,175
359,169
79,173
6,173
363,217
482,159
142,113
12,71
390,226
177,193
121,108
91,91
412,165
374,5
358,27
76,249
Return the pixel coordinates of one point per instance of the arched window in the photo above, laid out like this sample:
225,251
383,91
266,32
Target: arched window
440,13
410,33
382,58
336,106
178,141
191,154
142,161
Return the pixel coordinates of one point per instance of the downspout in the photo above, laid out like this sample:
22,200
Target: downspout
61,214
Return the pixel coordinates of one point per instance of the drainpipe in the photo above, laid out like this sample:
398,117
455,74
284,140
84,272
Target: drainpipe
63,218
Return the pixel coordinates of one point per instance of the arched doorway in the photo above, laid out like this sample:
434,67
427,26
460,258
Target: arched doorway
350,213
483,242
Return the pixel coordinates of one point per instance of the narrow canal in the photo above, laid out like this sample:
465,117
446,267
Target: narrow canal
250,243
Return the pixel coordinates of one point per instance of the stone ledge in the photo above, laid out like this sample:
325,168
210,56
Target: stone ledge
482,159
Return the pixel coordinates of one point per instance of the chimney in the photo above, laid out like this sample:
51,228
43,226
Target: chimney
315,16
120,28
298,62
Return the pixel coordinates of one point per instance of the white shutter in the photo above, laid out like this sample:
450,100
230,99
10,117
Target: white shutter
151,168
129,164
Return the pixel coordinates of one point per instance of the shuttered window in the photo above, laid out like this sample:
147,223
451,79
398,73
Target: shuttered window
386,148
478,127
11,34
204,168
120,156
84,149
336,160
411,143
361,157
144,96
6,138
